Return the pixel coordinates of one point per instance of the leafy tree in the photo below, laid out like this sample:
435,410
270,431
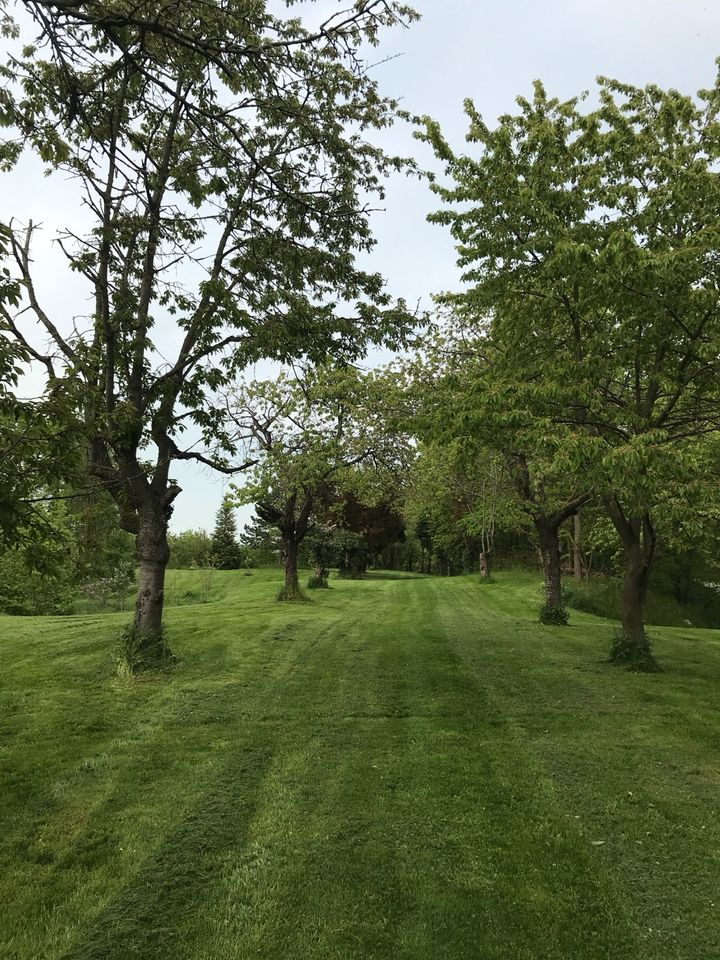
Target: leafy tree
190,549
310,433
321,544
261,541
589,239
365,529
248,172
226,552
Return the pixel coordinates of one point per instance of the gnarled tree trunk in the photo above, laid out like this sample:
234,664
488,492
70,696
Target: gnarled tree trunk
547,526
145,507
293,524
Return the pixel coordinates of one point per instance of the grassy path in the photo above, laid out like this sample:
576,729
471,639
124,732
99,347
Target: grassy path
408,769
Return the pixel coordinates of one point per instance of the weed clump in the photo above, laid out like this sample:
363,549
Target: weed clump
290,593
318,582
142,650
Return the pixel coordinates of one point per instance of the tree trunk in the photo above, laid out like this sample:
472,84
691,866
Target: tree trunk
550,557
577,548
146,644
634,593
292,585
632,646
484,566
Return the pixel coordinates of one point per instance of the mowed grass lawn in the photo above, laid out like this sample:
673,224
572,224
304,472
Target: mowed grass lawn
402,768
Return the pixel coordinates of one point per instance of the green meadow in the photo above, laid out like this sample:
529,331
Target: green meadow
405,767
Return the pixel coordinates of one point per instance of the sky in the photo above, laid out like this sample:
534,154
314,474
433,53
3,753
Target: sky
488,50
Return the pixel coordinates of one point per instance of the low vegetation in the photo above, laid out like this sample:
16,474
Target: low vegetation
406,767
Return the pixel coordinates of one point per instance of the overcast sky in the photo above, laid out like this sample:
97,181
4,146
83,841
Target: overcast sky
484,49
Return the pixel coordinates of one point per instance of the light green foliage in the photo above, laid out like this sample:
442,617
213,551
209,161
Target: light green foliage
458,498
587,240
404,768
71,547
585,236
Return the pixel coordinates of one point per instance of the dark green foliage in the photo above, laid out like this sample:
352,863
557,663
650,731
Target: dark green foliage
26,590
551,615
226,551
600,595
260,542
632,656
321,547
352,555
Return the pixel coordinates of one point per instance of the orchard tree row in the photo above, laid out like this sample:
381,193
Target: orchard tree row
226,163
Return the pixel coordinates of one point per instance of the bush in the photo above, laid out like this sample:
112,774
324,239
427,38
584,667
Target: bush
639,659
551,615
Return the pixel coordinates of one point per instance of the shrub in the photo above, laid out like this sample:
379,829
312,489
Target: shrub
551,615
631,656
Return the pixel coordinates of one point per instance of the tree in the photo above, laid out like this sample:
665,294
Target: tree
261,541
247,171
490,438
365,529
226,551
190,549
589,239
311,432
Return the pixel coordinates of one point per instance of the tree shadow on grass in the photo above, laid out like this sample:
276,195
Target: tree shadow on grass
146,919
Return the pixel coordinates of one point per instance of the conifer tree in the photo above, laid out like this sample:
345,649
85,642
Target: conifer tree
226,552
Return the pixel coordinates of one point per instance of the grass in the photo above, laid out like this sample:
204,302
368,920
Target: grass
405,768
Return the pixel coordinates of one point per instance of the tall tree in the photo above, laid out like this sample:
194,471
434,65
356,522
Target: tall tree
225,547
247,172
590,239
471,407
